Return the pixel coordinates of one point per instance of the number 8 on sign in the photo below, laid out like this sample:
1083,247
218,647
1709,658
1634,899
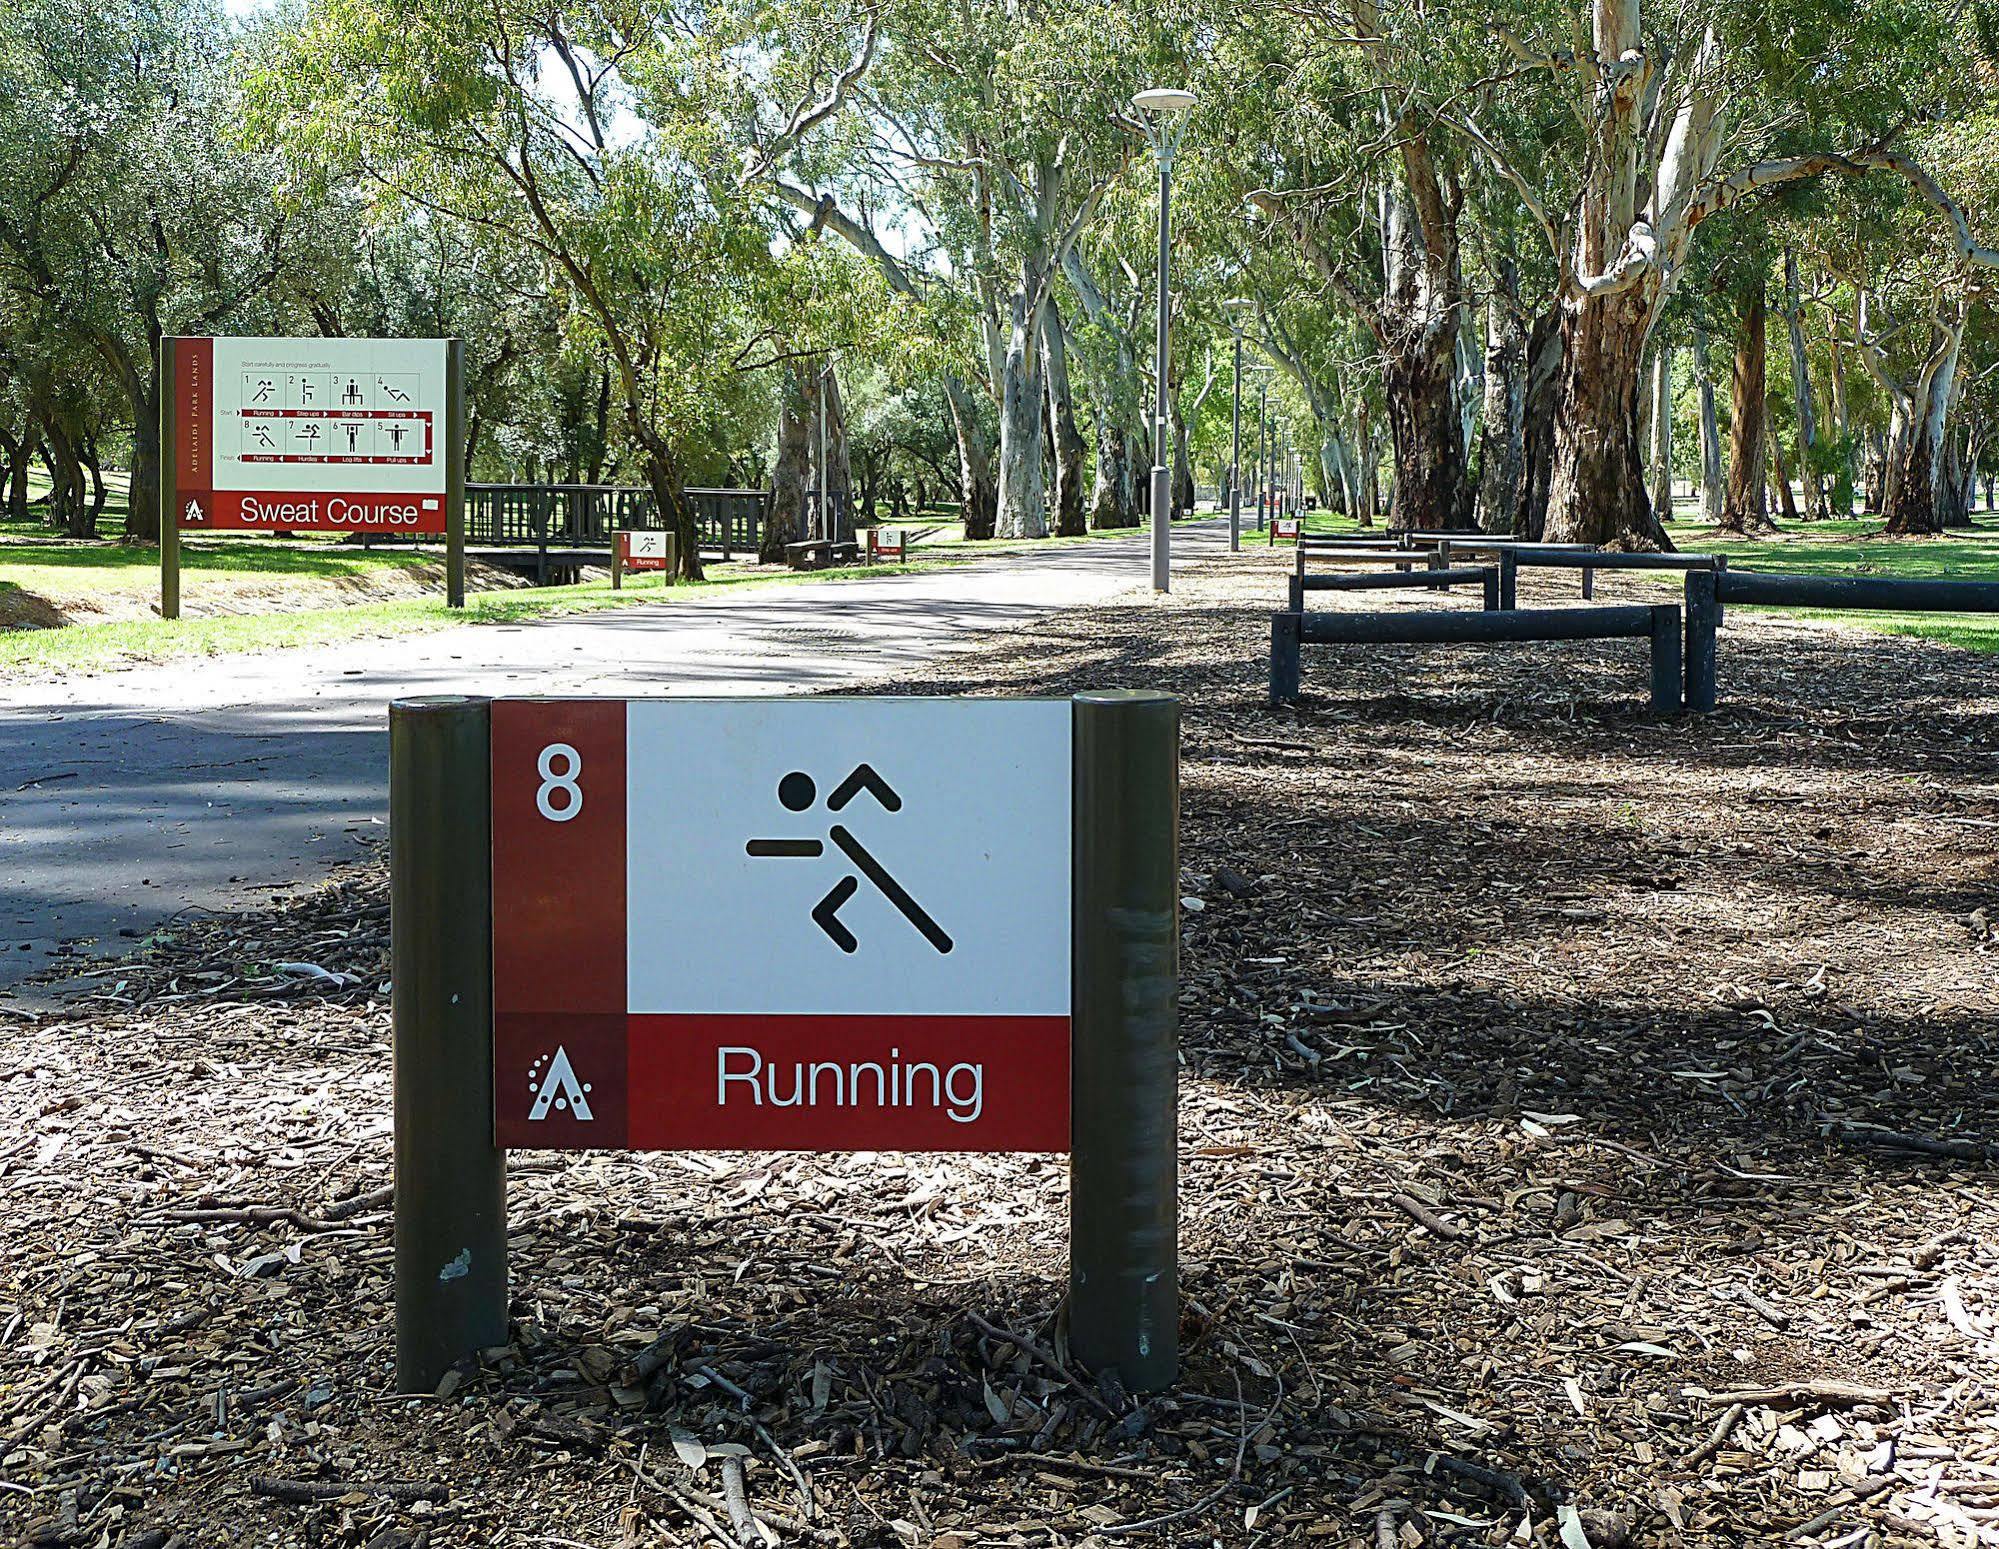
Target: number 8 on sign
551,782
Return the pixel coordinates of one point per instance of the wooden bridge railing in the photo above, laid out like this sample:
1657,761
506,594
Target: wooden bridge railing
585,515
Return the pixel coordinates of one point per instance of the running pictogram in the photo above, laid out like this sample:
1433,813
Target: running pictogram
797,791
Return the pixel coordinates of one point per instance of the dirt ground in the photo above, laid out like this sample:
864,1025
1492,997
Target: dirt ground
1586,1142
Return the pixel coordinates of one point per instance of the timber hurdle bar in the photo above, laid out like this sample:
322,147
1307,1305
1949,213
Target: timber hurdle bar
1709,590
1657,622
1485,576
1510,560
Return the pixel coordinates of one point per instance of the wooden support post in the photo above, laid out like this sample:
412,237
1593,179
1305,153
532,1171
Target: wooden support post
1124,1162
169,484
1666,697
1491,588
454,473
1703,614
1286,641
451,1180
1509,580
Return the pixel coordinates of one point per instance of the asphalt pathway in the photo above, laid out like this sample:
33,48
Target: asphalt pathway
128,797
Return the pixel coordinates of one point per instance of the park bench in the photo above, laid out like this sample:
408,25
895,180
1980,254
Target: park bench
1485,576
1709,590
818,553
1658,623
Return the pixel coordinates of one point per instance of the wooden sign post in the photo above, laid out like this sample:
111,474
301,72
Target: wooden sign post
312,435
979,958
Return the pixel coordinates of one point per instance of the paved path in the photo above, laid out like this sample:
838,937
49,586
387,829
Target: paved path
128,796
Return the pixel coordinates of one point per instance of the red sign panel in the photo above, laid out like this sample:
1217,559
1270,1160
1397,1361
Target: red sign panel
781,924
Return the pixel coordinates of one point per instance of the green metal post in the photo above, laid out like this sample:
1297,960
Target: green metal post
1124,1298
454,473
451,1181
169,486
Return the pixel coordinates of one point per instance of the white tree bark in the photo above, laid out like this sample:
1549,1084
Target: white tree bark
1711,496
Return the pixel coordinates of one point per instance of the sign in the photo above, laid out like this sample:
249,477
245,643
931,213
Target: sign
1287,526
645,550
310,435
776,924
887,543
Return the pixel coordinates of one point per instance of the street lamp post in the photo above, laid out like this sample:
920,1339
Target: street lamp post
1164,111
1262,442
1235,308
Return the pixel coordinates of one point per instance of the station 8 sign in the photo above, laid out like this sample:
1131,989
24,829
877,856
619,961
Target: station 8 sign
773,924
325,435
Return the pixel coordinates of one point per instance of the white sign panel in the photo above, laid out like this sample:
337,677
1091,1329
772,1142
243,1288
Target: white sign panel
899,856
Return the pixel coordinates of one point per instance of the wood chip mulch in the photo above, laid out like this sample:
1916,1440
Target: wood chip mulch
1589,1137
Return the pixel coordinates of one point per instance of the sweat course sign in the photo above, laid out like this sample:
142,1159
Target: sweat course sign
782,924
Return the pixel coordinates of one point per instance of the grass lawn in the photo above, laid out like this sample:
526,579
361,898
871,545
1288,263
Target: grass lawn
1844,548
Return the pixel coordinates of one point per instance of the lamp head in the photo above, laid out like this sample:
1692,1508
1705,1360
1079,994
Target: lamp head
1162,101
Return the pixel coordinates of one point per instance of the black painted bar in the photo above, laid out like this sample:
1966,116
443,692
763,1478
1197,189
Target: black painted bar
1657,623
1874,592
1600,559
1631,622
1485,576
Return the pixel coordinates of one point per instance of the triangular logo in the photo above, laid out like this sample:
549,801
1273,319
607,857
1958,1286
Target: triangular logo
193,512
558,1088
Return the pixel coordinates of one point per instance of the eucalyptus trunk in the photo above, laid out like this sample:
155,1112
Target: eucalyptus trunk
1544,382
1184,490
1743,508
791,469
1662,432
1780,474
1802,395
838,479
1114,497
1711,493
978,490
1417,379
1502,434
1068,441
1597,492
1023,502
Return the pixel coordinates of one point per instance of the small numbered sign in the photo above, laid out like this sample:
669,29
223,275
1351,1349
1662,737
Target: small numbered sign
644,550
782,924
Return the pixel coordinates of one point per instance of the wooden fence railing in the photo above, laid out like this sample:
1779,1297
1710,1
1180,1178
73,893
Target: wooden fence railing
585,515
